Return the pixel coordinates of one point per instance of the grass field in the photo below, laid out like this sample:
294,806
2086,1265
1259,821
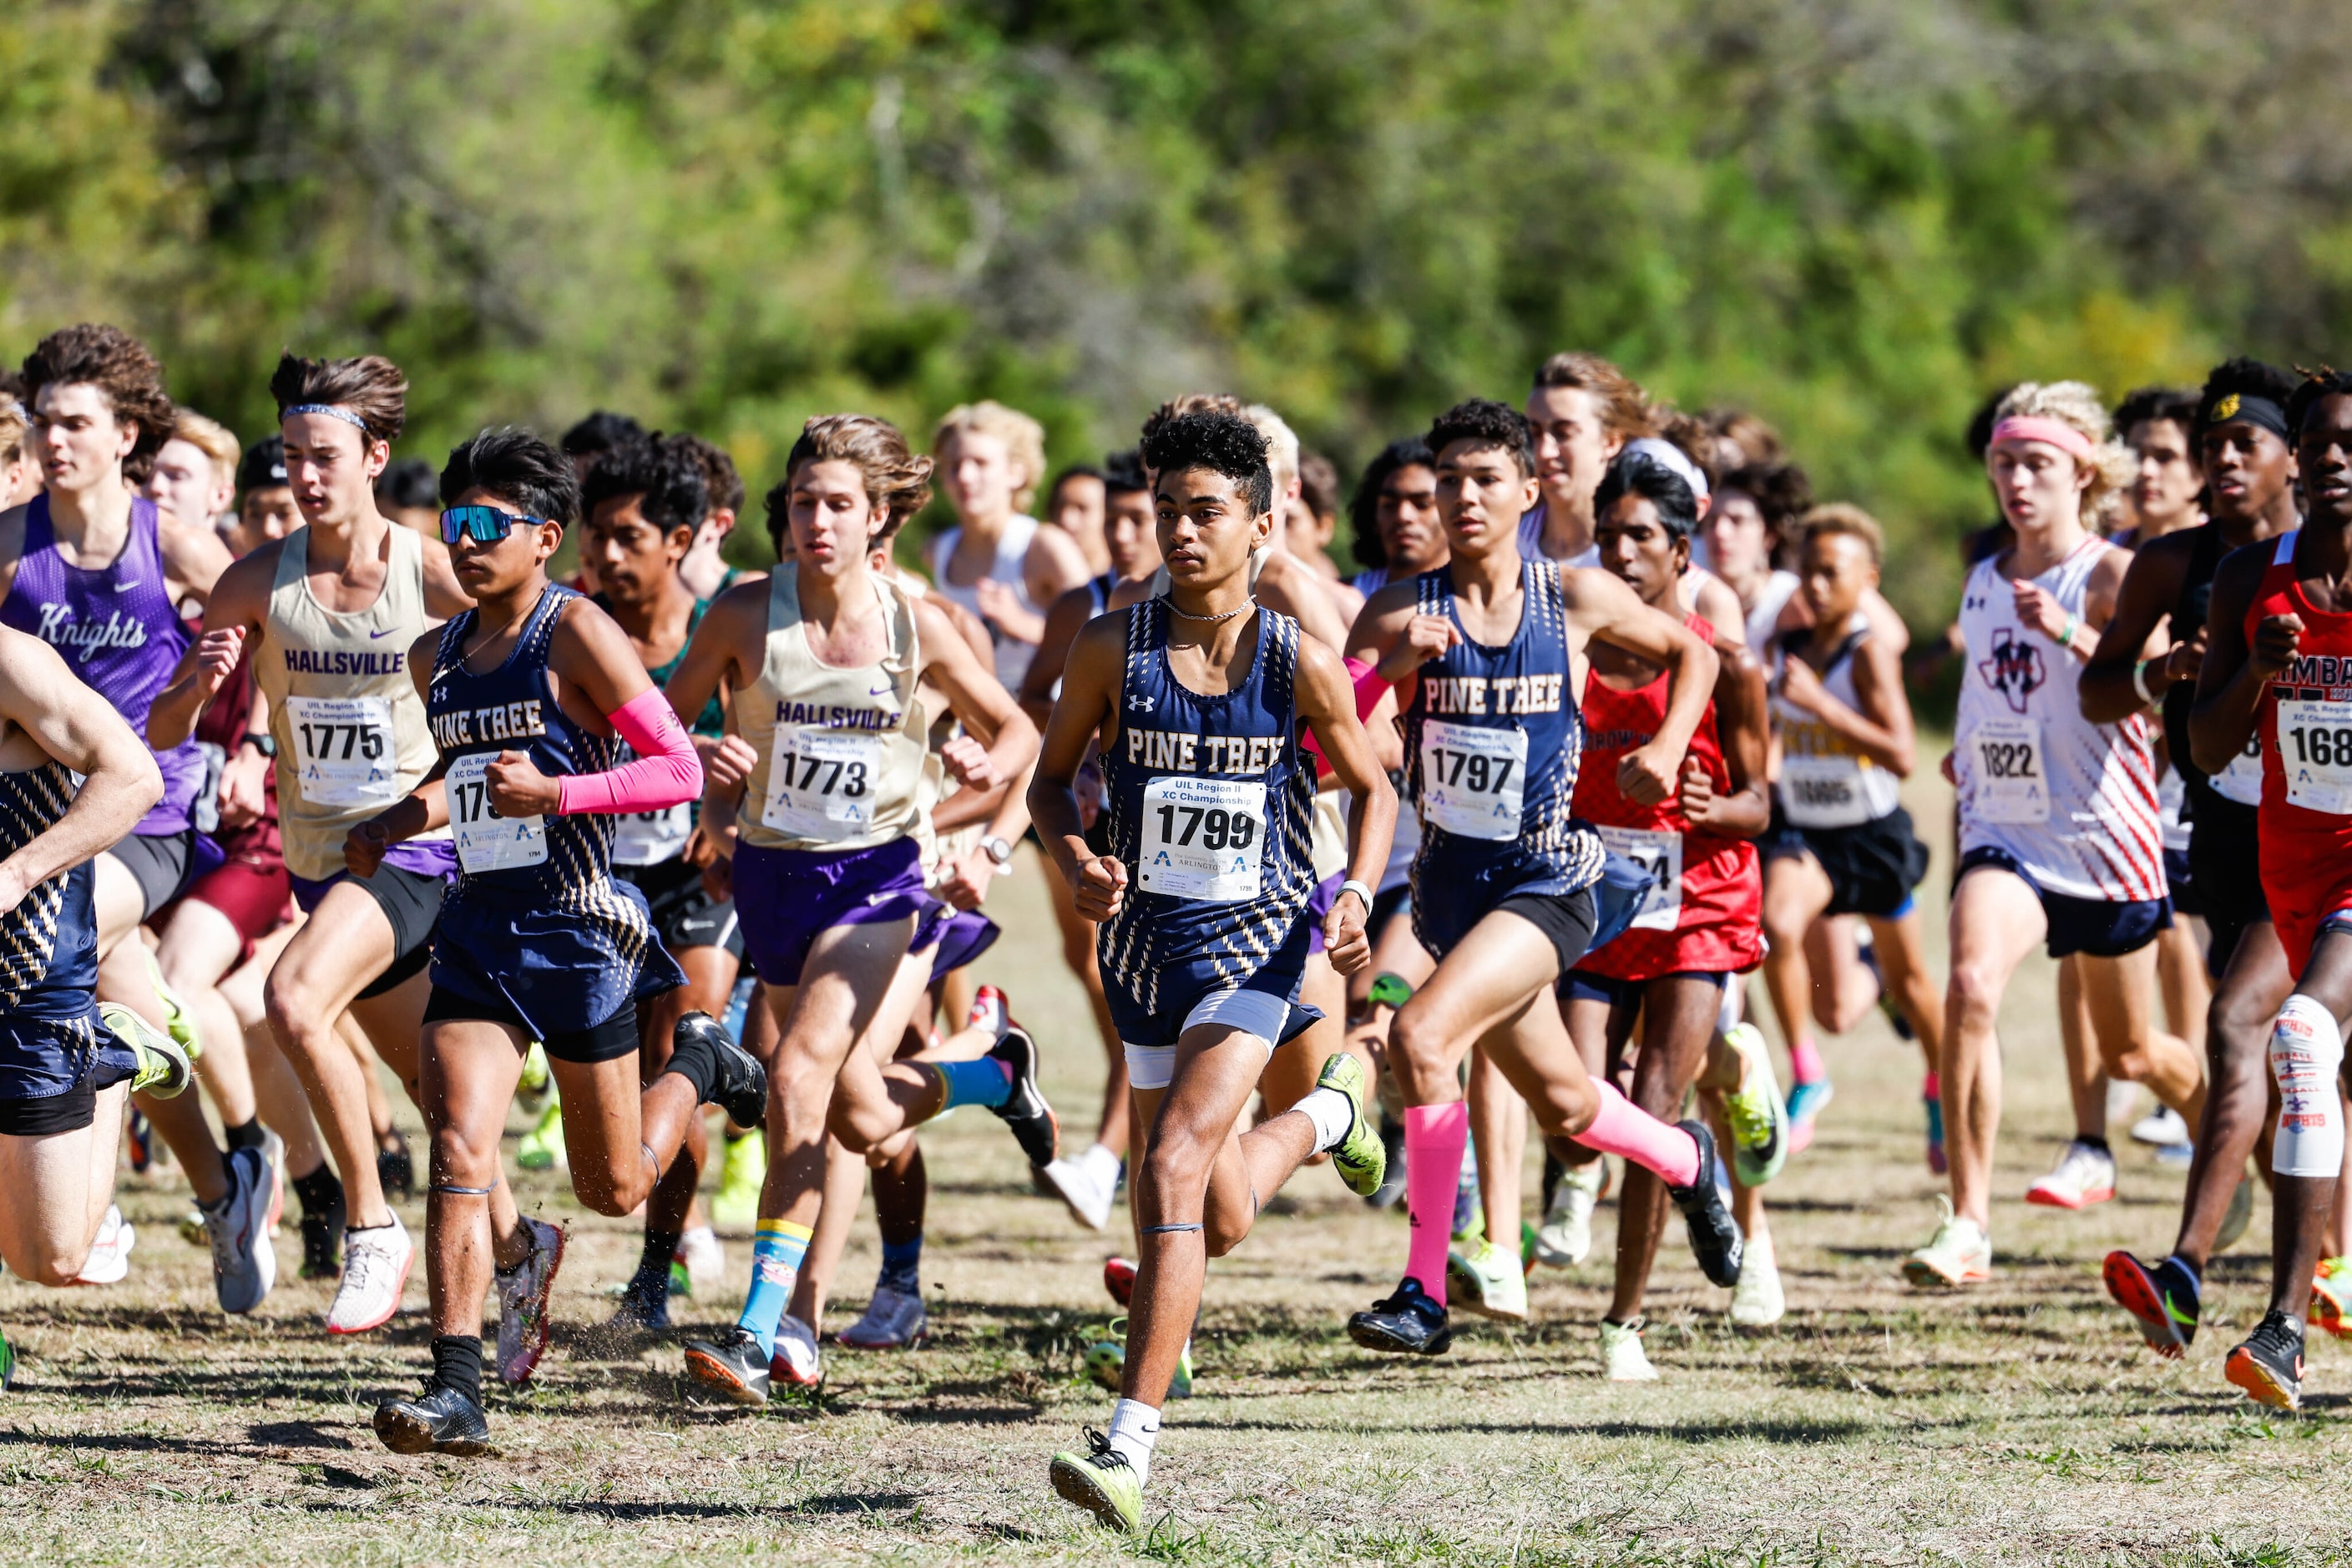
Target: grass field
2022,1423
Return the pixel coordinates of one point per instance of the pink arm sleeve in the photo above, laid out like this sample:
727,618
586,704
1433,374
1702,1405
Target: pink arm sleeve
1369,690
666,773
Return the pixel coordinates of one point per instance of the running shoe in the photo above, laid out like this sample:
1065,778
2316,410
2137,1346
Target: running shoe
2236,1217
1959,1253
2331,1297
644,1300
893,1321
395,1169
109,1251
531,1089
179,1022
732,1367
1806,1103
2085,1175
1623,1360
523,1292
1565,1238
245,1265
1392,1187
739,1085
165,1067
795,1361
1757,1302
702,1260
1715,1237
1105,1363
1085,1185
2269,1365
543,1147
7,1365
441,1420
2163,1301
742,1172
375,1270
2161,1128
1118,1278
1938,1161
1867,951
322,1239
273,1148
1486,1279
1758,1115
990,1013
1025,1109
1359,1157
2176,1157
1102,1482
1407,1321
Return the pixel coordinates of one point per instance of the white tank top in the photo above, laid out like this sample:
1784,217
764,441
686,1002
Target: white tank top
1778,589
1011,568
1825,781
2073,803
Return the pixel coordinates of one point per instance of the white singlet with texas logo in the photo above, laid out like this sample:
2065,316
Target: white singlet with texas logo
2073,803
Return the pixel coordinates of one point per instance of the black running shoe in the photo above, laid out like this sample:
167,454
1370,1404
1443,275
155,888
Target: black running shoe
732,1367
395,1171
1407,1321
645,1301
2162,1300
739,1087
1714,1235
2269,1365
441,1420
1024,1109
322,1243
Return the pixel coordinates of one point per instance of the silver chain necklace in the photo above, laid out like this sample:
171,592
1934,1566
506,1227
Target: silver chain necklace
1229,615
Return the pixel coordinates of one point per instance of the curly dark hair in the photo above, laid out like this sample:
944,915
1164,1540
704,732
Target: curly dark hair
120,366
1639,474
1364,506
600,433
1782,492
722,485
516,467
371,386
1221,443
664,475
2241,377
1483,422
2324,382
2143,403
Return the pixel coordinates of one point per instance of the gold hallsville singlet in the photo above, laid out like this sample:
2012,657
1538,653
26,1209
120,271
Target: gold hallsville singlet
841,750
349,727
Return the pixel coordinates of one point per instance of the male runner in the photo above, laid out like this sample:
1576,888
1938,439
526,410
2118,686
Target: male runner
2239,425
196,472
523,694
1395,512
1076,503
2278,668
997,561
1581,413
1199,699
1503,892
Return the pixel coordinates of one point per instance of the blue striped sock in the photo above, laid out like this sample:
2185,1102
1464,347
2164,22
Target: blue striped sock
776,1253
985,1082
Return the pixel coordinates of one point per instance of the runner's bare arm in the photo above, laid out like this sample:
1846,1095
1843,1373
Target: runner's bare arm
40,695
421,810
974,693
2230,683
725,649
1600,606
1393,636
444,599
1054,565
1882,727
2143,603
193,558
1327,700
1088,708
1742,727
1288,585
1063,619
234,613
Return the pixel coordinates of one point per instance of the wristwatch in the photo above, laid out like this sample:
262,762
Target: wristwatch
998,850
265,744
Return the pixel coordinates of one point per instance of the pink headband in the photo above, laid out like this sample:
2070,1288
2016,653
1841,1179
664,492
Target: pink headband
2055,432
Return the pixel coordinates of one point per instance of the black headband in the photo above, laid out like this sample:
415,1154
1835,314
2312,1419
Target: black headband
2247,408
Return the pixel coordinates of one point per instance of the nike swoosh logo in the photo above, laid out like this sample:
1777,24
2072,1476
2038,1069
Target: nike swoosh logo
2177,1315
385,633
126,587
883,690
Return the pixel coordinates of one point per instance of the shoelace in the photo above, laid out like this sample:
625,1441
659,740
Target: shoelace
1750,1119
1100,1452
360,1266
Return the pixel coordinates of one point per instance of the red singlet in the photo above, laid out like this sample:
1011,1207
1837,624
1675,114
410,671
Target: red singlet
1706,914
2304,724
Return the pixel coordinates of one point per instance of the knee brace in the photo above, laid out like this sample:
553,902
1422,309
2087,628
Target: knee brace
2306,1050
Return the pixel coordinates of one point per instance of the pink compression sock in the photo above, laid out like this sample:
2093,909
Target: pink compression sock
1434,1137
1805,1064
1932,1087
1624,1128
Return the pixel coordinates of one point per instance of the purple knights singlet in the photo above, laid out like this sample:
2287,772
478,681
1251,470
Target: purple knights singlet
117,630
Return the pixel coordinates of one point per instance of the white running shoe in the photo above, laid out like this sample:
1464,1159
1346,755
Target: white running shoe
1623,1360
794,1359
245,1265
704,1259
1757,1301
2161,1127
110,1253
1487,1281
1086,1184
1566,1238
375,1270
2084,1175
523,1302
894,1320
1959,1253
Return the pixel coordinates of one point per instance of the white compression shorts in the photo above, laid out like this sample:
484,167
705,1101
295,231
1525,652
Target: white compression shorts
1260,1014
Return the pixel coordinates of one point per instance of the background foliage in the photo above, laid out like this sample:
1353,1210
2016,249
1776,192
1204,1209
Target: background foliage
1856,216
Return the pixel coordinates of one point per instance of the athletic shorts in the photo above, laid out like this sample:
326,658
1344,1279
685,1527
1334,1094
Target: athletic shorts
1455,888
1153,1009
1872,867
953,937
1260,1014
2225,866
51,1070
2095,927
788,898
683,912
409,889
1565,919
616,1037
250,894
2179,883
163,864
554,972
1581,986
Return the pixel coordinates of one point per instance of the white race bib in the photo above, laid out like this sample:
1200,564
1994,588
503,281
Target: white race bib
2242,781
821,781
1473,781
651,838
2314,741
2010,783
1661,854
344,754
487,841
1203,838
1824,792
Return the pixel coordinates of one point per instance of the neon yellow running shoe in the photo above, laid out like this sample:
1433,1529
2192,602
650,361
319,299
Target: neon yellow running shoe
742,1172
533,1088
1102,1482
1489,1281
1359,1159
164,1066
1758,1117
1106,1361
542,1146
178,1022
2331,1297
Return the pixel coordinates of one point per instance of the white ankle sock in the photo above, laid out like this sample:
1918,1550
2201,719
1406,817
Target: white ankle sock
1332,1114
1134,1428
1100,1162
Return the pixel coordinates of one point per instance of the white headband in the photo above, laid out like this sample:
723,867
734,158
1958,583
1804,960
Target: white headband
1672,456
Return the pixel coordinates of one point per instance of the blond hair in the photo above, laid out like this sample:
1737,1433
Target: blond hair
14,424
1281,448
209,436
1024,438
2078,406
1843,518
